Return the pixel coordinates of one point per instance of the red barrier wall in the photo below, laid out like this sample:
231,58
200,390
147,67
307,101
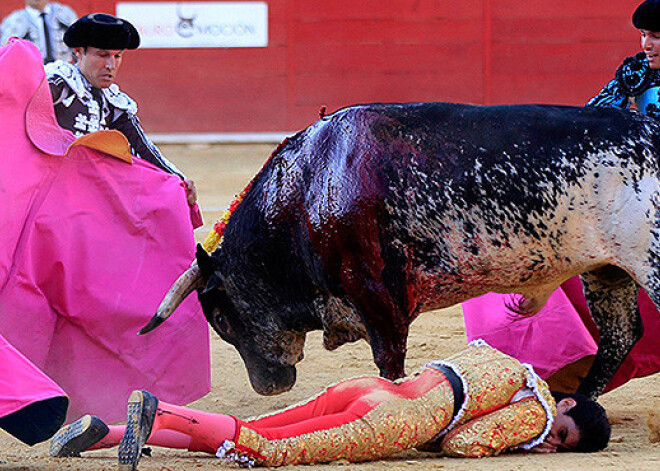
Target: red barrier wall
341,52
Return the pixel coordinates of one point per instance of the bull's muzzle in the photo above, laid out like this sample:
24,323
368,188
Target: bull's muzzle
272,380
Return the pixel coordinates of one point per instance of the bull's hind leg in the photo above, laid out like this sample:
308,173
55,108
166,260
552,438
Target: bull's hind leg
612,298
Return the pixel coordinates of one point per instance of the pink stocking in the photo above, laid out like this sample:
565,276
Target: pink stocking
164,438
205,431
111,439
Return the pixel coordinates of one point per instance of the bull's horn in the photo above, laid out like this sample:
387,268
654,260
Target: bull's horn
182,287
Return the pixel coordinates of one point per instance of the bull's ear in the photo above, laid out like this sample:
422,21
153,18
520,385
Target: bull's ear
205,262
214,283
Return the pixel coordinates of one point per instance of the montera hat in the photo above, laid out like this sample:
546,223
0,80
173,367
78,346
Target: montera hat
647,16
103,32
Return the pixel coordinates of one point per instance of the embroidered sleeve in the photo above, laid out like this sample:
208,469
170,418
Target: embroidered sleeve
632,78
497,431
612,96
57,87
141,146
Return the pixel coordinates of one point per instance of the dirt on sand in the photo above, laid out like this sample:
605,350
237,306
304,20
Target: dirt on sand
220,173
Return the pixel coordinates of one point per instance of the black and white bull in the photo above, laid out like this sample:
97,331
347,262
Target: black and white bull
379,212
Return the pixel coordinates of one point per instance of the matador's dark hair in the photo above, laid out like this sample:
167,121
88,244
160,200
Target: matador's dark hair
647,16
591,419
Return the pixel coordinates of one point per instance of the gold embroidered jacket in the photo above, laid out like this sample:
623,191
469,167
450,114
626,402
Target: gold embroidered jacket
489,421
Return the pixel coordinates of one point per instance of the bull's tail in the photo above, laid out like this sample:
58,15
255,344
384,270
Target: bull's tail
522,306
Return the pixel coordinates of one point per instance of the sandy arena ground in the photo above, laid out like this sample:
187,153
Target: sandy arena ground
220,173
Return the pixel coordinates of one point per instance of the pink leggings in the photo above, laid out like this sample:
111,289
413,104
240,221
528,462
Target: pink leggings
341,404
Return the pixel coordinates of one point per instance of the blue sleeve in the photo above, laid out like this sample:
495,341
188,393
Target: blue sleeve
632,78
611,95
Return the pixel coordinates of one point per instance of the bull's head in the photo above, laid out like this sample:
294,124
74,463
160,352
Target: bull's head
268,350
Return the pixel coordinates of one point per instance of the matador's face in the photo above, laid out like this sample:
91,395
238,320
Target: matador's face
564,432
37,4
650,41
99,66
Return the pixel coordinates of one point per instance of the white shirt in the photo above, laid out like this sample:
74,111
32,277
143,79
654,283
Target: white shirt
37,22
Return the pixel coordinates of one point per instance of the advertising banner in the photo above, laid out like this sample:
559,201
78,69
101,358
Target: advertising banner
208,24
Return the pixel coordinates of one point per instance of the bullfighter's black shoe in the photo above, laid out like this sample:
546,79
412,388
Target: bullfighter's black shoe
142,407
78,436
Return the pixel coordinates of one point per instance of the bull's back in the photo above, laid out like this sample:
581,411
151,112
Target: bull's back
507,153
464,192
493,197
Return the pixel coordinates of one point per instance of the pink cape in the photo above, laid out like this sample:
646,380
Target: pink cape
21,383
89,244
558,334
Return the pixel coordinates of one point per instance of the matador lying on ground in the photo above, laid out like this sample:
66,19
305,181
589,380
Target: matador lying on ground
476,403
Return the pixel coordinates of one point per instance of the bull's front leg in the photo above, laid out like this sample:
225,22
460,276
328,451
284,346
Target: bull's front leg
388,347
372,271
612,298
387,328
384,317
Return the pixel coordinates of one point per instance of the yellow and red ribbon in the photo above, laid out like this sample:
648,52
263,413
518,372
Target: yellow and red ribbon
214,239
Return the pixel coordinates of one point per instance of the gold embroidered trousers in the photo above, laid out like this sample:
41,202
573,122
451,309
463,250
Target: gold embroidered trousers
370,418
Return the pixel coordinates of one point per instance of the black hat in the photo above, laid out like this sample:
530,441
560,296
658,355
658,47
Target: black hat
647,16
103,32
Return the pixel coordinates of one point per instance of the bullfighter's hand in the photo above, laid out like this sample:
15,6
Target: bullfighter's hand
191,192
544,447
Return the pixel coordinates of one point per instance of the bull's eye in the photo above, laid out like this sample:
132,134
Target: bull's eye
222,325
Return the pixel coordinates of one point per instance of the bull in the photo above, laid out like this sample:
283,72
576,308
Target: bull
379,212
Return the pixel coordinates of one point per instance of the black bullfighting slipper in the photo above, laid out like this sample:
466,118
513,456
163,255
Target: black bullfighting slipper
78,436
142,407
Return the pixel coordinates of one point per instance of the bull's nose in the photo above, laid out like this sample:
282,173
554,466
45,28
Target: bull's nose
270,390
273,380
